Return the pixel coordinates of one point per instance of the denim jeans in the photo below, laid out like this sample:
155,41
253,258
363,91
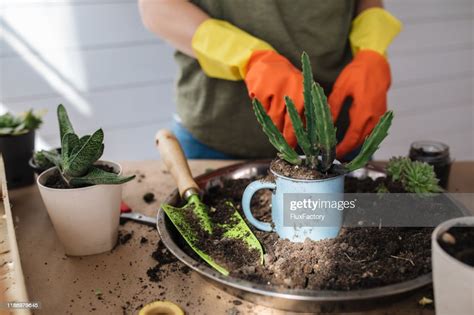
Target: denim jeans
193,148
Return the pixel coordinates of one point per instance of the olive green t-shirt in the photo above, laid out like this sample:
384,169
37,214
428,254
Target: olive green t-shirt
219,112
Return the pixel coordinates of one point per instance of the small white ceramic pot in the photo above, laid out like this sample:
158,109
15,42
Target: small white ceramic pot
86,219
453,280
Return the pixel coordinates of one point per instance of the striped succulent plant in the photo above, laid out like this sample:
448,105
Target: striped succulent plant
76,162
318,139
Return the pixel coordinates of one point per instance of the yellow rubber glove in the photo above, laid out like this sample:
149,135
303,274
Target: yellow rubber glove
374,29
224,50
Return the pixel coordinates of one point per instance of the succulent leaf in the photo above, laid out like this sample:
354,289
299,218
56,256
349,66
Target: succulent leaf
32,121
396,166
65,125
325,128
97,176
44,162
99,153
308,103
79,163
301,135
52,156
68,144
372,142
274,136
9,121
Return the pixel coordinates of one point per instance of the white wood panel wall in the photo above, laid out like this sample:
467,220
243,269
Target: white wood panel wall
432,67
95,57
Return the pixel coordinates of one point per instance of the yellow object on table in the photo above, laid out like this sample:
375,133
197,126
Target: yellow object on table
161,308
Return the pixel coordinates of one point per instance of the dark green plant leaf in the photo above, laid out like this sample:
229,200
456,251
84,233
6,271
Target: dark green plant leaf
274,135
97,176
300,133
99,153
372,142
68,144
326,132
32,121
79,163
65,125
10,121
396,167
42,161
308,103
82,142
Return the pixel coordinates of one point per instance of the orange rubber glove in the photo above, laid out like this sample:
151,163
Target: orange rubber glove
270,77
366,79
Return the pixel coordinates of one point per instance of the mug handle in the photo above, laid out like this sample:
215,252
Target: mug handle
247,198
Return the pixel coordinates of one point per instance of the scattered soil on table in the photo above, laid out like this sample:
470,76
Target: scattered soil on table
458,242
358,258
56,181
163,257
302,171
125,238
149,197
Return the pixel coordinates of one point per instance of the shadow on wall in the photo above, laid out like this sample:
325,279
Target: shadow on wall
98,60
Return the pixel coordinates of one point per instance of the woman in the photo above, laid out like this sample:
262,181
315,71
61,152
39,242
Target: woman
231,51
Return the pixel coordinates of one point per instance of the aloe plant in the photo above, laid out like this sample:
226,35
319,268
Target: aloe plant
78,156
415,176
318,139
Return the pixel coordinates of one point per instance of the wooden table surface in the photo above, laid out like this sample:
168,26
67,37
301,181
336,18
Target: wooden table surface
117,282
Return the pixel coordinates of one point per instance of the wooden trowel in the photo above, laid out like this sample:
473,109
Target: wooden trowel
173,157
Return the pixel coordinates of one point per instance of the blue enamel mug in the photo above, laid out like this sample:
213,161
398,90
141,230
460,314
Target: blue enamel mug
287,192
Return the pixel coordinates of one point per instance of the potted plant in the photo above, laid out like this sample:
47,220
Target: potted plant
17,143
452,244
316,172
81,193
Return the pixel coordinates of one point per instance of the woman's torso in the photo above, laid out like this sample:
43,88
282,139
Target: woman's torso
219,112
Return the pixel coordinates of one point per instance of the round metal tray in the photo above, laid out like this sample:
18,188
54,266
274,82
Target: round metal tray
274,296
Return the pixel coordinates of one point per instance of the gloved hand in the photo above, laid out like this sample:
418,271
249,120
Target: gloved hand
270,77
367,78
227,52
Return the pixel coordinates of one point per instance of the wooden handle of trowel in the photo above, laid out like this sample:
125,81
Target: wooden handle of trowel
173,156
